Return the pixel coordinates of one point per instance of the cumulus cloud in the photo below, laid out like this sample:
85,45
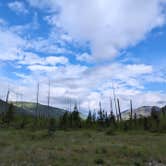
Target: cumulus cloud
13,46
90,85
2,21
46,45
110,26
18,7
84,57
42,4
29,58
10,45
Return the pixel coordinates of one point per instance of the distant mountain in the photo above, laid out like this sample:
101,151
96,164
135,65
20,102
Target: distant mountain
4,106
144,111
28,108
42,109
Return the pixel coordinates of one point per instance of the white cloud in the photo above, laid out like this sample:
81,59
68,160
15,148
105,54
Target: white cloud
42,68
29,58
46,45
18,7
52,60
84,57
2,21
88,85
139,69
109,25
42,4
10,45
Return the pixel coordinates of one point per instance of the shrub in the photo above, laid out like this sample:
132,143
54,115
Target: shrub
110,131
51,126
99,161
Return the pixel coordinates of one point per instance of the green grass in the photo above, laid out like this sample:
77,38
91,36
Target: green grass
80,148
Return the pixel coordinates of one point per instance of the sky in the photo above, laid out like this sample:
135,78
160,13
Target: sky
85,49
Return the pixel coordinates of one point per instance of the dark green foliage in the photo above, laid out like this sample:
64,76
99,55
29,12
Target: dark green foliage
94,116
135,120
23,122
155,116
72,120
9,115
51,126
89,119
112,119
146,126
110,131
126,126
163,110
99,161
65,120
76,120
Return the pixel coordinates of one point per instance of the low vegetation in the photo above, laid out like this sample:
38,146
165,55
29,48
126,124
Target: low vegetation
69,140
80,147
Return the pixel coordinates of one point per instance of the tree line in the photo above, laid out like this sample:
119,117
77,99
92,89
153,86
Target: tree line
95,120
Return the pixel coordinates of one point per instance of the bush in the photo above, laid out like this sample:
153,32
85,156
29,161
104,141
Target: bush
99,161
9,115
51,126
110,131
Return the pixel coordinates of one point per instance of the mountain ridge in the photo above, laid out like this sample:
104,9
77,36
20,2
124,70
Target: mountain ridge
144,111
28,108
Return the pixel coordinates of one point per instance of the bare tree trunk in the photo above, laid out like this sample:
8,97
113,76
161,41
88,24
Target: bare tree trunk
37,101
111,108
119,110
131,110
48,101
7,96
70,105
115,104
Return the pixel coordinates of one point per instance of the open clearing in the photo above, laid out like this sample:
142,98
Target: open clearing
84,148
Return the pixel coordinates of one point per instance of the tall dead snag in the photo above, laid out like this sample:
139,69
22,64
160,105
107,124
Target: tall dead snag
7,96
37,100
70,105
131,110
111,109
48,100
115,103
119,109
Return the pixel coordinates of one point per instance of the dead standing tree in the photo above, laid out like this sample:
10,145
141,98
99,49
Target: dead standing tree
48,100
131,114
7,96
120,118
37,114
131,110
117,117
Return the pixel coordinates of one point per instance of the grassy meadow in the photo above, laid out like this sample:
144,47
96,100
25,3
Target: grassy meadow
81,148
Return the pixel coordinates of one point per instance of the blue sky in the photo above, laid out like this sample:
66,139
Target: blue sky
84,47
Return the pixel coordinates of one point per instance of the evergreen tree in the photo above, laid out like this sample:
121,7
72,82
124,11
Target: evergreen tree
112,118
89,119
51,126
135,119
64,121
155,116
94,116
9,116
100,117
76,120
146,126
163,110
